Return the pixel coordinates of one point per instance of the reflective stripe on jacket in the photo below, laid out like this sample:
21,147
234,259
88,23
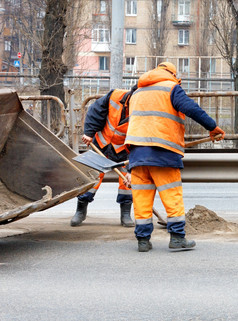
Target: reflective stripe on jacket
113,133
153,119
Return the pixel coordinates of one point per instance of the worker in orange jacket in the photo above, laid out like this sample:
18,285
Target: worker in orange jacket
155,138
106,125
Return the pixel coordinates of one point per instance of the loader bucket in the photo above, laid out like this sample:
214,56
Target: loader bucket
33,161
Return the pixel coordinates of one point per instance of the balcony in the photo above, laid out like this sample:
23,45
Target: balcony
96,18
182,20
100,46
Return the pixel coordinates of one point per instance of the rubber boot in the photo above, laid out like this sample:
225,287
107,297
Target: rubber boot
126,215
179,242
80,214
144,245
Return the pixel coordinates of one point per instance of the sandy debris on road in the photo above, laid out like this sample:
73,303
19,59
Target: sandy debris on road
200,220
201,224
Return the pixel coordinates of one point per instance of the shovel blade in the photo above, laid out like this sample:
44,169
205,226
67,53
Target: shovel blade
96,161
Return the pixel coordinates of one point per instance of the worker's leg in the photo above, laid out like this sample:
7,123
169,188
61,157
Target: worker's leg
124,198
143,193
82,204
169,185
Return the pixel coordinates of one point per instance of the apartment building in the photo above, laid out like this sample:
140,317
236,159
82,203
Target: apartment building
154,30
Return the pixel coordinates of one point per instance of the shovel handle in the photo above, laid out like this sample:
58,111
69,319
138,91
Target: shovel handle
161,221
100,153
155,212
200,141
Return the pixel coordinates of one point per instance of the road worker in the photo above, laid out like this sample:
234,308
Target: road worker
155,139
106,124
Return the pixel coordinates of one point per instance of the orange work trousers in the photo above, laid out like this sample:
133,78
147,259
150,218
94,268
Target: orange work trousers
145,180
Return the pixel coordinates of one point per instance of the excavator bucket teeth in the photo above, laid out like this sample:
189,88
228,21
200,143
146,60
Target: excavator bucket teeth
32,157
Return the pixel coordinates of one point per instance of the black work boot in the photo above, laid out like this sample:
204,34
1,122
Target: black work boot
144,245
80,214
126,215
179,242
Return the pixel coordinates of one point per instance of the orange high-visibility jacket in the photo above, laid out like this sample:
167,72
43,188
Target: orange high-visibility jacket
113,133
153,119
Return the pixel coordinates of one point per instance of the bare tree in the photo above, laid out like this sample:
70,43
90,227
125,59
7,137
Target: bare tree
204,40
78,30
224,20
233,4
224,25
159,28
48,33
22,23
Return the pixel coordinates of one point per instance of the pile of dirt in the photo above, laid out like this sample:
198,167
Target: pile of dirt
201,220
10,200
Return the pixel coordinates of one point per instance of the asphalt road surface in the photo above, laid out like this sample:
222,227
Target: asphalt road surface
221,198
94,272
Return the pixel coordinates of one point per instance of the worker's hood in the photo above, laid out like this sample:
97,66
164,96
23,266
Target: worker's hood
156,75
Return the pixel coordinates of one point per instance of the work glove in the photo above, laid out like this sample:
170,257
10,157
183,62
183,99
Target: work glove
216,132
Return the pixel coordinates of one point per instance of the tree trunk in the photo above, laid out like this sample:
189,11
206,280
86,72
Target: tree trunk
236,83
52,68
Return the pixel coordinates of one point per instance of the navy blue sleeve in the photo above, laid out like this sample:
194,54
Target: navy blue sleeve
181,102
97,115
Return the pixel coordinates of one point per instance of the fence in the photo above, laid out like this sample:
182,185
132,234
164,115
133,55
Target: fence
198,73
219,105
35,109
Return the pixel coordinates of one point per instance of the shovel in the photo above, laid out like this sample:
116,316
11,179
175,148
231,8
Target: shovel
104,165
99,162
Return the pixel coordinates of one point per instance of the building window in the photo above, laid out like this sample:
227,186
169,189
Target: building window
159,9
101,34
130,61
131,36
103,7
40,14
39,25
7,45
183,65
212,65
212,37
212,10
183,10
158,33
9,22
16,3
183,37
131,7
103,63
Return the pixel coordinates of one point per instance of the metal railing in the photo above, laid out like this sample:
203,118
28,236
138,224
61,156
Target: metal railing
34,99
226,109
219,105
220,167
201,168
216,108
